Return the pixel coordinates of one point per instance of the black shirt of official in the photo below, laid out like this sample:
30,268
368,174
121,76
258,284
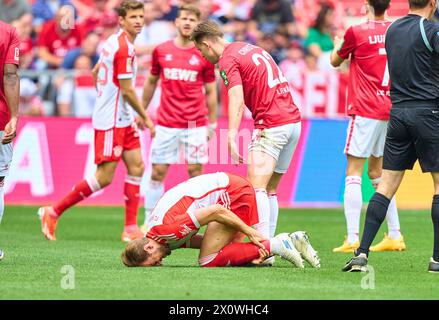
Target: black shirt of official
413,60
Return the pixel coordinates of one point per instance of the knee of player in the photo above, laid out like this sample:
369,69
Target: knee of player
373,173
194,171
158,175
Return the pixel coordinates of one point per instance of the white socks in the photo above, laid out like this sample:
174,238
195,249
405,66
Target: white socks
154,192
264,212
392,215
2,200
353,201
274,213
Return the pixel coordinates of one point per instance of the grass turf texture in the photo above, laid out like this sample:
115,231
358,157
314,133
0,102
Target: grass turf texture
89,240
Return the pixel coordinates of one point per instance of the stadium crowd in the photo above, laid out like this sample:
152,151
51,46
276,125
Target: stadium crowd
61,40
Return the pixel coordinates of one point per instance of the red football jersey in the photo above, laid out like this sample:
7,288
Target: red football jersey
9,54
369,81
56,44
266,90
183,73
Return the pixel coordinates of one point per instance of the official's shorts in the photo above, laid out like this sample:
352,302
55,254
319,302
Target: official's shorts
5,156
278,142
170,142
365,137
412,134
240,198
110,144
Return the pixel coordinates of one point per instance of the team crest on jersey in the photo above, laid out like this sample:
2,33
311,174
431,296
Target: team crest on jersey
194,61
224,76
117,150
168,57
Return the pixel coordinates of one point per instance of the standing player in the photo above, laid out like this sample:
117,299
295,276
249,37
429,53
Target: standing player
116,135
413,131
253,79
369,109
188,85
9,98
226,204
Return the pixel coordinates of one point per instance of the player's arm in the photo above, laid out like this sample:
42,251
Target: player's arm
336,60
148,90
130,96
11,84
224,216
212,105
95,72
236,110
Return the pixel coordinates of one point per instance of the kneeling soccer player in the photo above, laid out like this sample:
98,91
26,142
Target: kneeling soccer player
226,203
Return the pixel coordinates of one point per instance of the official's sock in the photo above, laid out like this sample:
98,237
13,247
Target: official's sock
392,215
233,254
263,212
375,215
2,199
154,192
79,192
435,219
274,213
353,201
131,192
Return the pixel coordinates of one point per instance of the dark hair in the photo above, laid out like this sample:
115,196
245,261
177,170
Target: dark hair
320,20
379,6
134,254
128,5
418,4
189,8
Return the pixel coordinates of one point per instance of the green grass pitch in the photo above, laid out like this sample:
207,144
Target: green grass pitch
89,241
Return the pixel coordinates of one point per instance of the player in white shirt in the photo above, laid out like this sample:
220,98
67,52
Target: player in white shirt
116,135
226,203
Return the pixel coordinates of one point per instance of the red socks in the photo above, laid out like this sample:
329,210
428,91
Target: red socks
131,192
79,192
234,254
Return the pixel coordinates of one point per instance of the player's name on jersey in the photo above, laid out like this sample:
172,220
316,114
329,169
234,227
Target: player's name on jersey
378,38
180,74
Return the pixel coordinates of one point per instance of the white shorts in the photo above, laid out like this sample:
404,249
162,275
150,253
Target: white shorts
5,156
278,142
365,137
170,142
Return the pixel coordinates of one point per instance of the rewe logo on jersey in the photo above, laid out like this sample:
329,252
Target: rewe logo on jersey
186,230
180,74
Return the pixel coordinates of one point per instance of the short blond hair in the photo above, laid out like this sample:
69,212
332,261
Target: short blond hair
206,29
134,255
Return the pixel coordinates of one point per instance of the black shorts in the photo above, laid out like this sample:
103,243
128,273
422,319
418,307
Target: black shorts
412,134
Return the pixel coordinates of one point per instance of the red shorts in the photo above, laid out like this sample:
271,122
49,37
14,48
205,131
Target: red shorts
240,198
110,144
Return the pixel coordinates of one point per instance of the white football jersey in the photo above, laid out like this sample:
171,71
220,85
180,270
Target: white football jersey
117,61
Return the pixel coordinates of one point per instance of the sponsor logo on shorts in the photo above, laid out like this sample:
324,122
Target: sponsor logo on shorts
117,151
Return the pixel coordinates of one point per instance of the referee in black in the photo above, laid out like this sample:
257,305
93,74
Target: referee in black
412,45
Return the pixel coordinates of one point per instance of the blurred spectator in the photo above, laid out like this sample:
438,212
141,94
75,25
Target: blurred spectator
91,8
94,18
311,63
294,66
167,10
227,11
269,15
24,32
45,10
153,33
237,30
71,100
88,48
57,37
11,10
319,40
30,103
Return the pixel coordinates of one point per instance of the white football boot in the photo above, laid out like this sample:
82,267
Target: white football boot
301,242
283,246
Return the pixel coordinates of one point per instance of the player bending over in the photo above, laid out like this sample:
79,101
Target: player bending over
226,203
